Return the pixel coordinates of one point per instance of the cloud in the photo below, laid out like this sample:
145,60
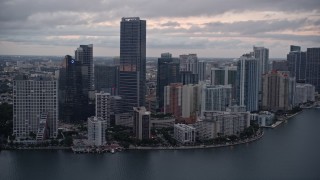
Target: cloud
187,25
22,9
254,27
171,23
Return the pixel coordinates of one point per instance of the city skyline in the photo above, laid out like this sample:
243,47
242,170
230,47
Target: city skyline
209,29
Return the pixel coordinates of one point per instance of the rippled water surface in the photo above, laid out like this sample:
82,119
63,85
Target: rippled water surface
291,151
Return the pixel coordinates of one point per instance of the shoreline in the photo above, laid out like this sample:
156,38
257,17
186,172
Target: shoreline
279,122
37,148
288,117
255,138
201,146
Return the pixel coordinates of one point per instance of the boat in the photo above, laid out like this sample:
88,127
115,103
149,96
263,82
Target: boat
112,151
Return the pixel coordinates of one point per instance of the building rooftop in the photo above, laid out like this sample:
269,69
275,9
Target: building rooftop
184,126
130,19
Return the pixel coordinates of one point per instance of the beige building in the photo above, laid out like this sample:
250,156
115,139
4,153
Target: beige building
172,99
190,102
304,93
277,94
218,123
183,101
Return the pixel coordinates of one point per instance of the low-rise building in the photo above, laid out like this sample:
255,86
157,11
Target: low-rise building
206,129
141,123
159,122
217,123
96,131
184,133
304,93
263,118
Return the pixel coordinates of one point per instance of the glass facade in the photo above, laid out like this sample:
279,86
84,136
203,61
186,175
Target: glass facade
168,72
132,76
313,67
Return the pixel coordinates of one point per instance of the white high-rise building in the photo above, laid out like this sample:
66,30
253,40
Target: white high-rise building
96,131
248,82
202,71
107,105
190,100
103,106
224,76
189,63
304,93
215,98
262,55
31,98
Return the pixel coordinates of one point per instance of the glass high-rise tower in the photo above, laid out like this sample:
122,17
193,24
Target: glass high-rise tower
297,62
132,76
248,82
168,72
313,67
84,54
72,101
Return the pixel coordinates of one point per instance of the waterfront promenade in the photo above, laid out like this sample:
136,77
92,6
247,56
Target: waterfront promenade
38,148
257,137
282,119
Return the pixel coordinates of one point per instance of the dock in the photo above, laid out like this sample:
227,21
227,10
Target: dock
96,150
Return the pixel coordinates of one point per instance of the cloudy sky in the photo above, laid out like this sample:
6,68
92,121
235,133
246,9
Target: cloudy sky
210,28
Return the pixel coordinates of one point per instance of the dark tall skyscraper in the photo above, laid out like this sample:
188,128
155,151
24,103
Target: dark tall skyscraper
84,54
71,98
297,63
168,72
313,67
132,76
106,78
295,48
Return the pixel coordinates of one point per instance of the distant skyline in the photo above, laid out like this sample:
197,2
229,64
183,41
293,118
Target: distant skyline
209,28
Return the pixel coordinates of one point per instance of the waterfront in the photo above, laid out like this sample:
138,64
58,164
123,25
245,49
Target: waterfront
290,151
